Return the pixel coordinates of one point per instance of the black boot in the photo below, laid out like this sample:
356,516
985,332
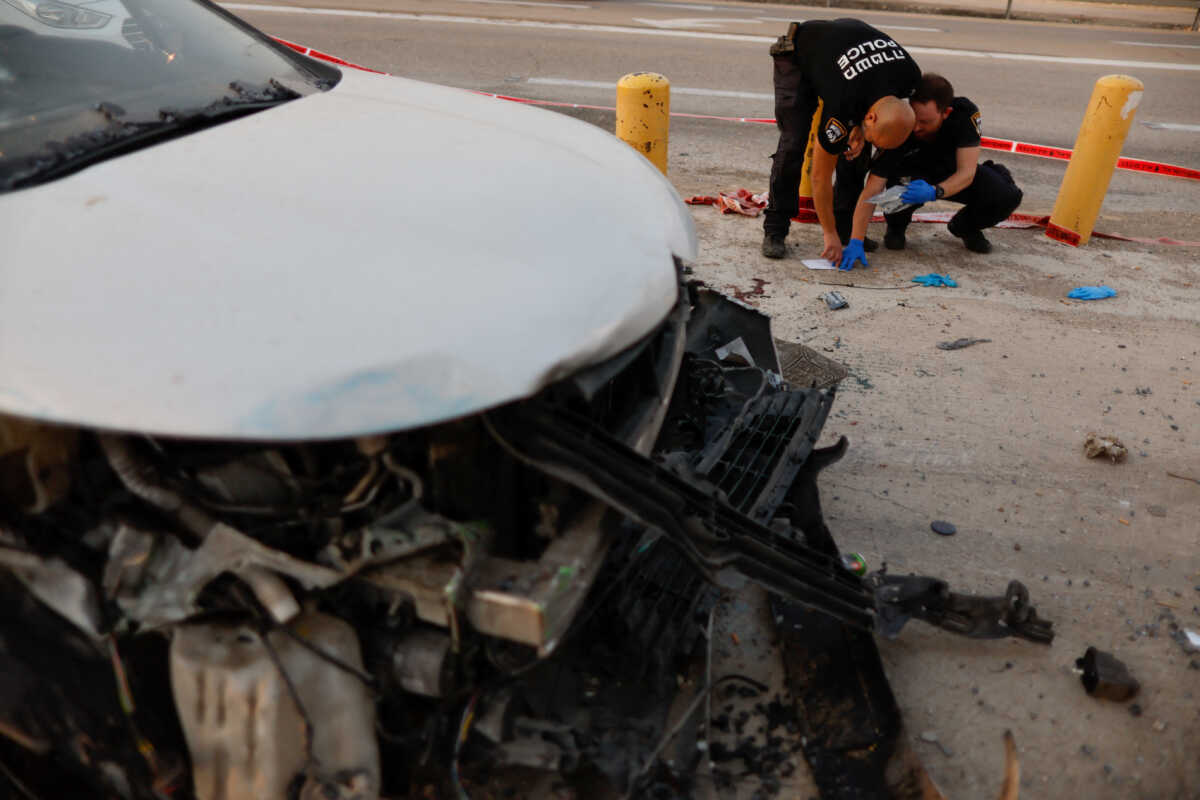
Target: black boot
774,246
973,240
894,238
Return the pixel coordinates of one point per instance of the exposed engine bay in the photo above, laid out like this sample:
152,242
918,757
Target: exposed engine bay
361,618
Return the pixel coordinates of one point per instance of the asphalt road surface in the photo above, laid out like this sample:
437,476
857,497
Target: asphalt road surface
1032,80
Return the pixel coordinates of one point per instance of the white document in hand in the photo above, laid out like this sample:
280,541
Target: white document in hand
818,263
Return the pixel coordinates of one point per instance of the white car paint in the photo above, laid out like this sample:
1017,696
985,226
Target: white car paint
384,255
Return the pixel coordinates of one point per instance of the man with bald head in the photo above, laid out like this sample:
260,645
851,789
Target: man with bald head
861,77
939,160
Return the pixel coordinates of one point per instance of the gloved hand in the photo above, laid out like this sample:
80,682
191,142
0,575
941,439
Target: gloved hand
853,252
919,192
934,279
1092,293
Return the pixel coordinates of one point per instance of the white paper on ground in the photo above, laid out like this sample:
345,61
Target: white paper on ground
818,263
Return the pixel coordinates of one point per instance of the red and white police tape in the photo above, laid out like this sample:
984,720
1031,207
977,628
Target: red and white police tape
1063,154
748,204
987,142
308,51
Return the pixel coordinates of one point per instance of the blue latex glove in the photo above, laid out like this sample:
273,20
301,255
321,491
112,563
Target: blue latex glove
1092,293
853,252
933,279
919,192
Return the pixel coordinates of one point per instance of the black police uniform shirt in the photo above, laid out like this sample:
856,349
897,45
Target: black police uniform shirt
851,65
937,159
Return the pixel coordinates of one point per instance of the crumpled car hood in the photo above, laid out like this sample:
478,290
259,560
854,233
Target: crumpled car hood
384,255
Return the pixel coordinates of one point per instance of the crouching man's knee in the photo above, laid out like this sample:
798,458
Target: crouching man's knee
1011,198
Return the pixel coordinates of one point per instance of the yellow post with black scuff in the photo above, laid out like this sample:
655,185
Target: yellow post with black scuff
806,195
644,115
1106,122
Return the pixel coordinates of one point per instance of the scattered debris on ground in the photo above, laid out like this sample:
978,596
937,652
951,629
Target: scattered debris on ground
741,201
834,300
1092,293
1106,676
1096,445
944,528
959,344
934,279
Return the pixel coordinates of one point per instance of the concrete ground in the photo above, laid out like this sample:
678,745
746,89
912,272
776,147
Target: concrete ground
991,439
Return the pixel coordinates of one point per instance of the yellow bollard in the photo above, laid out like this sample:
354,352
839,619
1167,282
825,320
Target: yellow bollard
1105,123
806,199
644,115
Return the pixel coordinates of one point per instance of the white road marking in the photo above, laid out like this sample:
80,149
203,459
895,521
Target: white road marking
688,6
612,87
1172,126
711,35
881,25
691,22
1159,44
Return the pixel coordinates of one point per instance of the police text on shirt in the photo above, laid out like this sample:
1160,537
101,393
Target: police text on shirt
864,55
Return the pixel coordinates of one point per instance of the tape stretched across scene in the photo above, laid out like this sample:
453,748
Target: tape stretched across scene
988,143
1004,145
748,204
1063,154
1028,221
310,52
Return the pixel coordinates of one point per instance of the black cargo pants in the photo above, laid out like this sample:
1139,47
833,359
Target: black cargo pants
795,103
989,199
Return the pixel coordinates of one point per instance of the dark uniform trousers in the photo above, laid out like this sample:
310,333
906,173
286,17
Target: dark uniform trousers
989,198
795,104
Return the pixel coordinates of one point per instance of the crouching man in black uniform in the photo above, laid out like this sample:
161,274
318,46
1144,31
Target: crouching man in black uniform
861,75
941,159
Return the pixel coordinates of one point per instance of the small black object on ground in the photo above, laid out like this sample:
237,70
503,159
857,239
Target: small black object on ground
1106,676
943,528
959,344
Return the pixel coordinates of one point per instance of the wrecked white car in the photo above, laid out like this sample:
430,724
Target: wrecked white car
339,411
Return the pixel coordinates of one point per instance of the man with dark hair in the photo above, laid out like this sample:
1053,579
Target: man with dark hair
940,160
860,76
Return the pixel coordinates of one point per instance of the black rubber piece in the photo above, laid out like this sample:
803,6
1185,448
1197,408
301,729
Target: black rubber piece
944,528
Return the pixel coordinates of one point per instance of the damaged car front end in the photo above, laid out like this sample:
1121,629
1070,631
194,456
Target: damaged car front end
311,487
356,617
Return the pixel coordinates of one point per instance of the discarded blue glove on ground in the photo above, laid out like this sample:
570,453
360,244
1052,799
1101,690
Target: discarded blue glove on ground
933,279
1092,293
853,252
919,192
